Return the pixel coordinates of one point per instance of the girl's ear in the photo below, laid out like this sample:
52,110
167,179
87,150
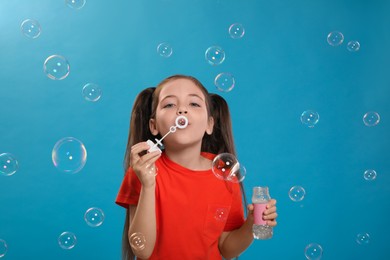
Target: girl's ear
210,126
153,126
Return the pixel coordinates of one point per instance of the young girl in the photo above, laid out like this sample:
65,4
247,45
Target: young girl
176,207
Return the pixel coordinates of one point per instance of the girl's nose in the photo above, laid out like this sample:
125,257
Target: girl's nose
182,110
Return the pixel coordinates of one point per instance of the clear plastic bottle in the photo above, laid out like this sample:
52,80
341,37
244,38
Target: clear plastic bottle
260,199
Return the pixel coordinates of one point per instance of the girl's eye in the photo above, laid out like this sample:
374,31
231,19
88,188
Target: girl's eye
168,105
193,104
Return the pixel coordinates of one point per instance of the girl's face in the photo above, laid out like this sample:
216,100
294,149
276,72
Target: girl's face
181,97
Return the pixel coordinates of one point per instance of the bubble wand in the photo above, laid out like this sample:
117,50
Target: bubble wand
181,122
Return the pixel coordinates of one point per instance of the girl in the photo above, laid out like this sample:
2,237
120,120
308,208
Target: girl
176,207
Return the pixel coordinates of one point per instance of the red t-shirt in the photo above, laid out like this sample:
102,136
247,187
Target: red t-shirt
193,208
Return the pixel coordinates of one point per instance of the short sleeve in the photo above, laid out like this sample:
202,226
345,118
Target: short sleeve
236,214
129,190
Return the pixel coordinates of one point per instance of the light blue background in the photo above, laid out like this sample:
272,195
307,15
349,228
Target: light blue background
283,66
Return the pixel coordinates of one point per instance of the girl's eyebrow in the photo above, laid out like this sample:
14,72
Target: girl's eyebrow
174,96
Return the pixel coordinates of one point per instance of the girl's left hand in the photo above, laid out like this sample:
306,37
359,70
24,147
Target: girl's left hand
269,214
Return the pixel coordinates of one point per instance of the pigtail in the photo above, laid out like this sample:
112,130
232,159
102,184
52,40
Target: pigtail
139,131
139,122
221,140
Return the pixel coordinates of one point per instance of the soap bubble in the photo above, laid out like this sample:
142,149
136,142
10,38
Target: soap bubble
224,82
335,38
75,4
313,251
94,217
236,31
226,167
310,118
297,193
165,50
353,46
215,55
371,118
221,214
56,67
30,28
363,238
137,241
67,240
91,92
3,248
69,155
8,164
370,175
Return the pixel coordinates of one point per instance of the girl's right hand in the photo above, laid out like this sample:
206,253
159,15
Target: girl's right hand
144,166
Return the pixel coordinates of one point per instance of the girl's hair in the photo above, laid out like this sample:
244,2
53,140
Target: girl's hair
144,108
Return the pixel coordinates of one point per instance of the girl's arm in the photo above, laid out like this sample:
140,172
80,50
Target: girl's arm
143,216
143,221
233,243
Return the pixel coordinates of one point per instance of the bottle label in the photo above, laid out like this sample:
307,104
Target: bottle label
258,213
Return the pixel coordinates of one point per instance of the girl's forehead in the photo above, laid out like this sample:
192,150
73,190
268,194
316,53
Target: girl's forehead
180,86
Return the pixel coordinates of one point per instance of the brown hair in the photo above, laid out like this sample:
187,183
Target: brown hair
144,108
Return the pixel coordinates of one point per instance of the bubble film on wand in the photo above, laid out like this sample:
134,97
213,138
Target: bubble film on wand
181,122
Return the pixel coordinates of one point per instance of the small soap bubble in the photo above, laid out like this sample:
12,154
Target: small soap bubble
371,118
369,175
67,240
75,4
353,46
94,217
3,248
297,193
363,238
236,31
69,155
30,28
313,251
215,55
91,92
164,50
221,214
226,167
224,82
310,118
8,164
137,241
335,38
56,67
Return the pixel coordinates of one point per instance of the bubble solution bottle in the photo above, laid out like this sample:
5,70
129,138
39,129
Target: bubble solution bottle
260,199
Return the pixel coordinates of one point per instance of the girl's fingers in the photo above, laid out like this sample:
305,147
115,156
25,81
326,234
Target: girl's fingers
270,216
271,203
271,223
148,158
137,149
270,210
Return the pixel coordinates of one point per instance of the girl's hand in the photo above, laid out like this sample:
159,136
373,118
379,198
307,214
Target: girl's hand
269,214
144,166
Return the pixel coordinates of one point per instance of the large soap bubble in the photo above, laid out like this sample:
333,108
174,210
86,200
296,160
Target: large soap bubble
226,167
69,155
